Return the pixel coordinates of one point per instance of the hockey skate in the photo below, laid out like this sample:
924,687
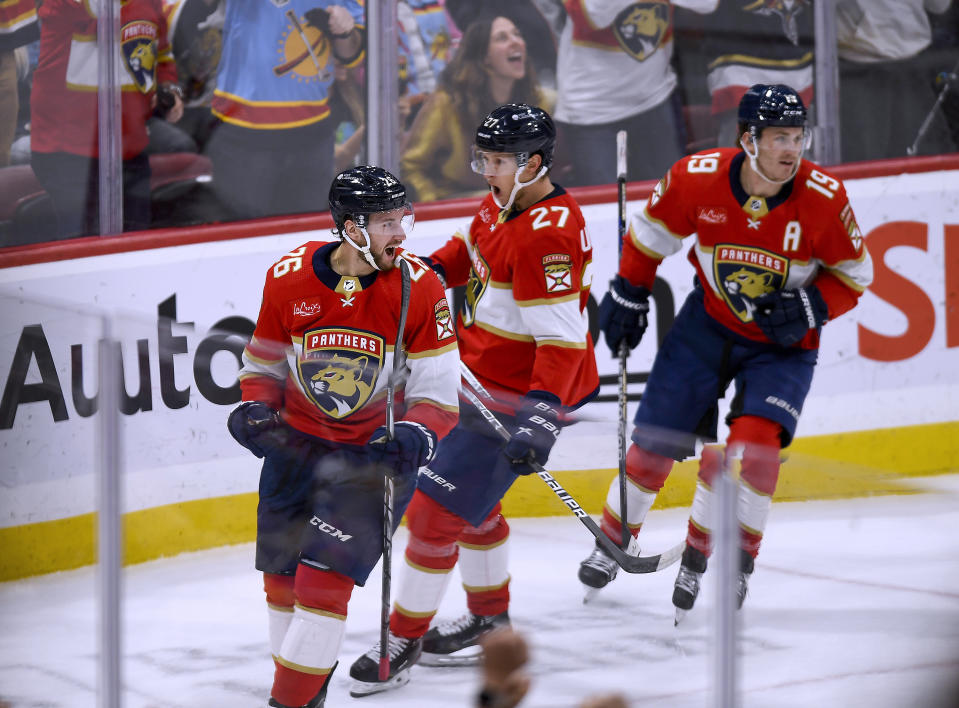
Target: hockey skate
686,589
365,672
317,701
596,572
456,643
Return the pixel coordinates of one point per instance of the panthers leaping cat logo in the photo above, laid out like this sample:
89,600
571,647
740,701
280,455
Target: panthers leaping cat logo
743,273
748,285
340,384
338,369
643,27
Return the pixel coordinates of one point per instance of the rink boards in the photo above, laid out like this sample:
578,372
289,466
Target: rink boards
883,405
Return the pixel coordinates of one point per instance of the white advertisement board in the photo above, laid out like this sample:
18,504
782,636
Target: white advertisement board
891,362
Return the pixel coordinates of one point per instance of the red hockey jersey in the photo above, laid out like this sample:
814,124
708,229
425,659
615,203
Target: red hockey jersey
746,245
323,348
64,99
524,326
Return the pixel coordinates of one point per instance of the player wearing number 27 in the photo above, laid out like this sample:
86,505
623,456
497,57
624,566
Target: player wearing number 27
314,382
525,263
777,254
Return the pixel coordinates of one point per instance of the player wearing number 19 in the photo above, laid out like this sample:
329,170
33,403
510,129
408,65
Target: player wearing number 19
523,331
314,382
777,254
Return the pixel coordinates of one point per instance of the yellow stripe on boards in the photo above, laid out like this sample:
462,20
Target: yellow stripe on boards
837,466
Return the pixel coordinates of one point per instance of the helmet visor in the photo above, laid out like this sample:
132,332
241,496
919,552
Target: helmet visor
495,164
390,223
786,139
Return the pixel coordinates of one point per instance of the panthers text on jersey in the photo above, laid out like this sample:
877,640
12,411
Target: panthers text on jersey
322,351
747,245
524,324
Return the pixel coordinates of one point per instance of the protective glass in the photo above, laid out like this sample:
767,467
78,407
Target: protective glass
390,223
495,164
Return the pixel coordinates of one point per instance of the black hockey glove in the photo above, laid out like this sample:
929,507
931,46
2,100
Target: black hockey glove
622,314
536,431
786,315
257,427
412,446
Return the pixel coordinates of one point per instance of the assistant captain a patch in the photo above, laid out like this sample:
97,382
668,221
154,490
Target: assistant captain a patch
338,368
558,270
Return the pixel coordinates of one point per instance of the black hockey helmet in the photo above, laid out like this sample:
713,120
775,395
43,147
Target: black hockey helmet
364,190
765,105
520,129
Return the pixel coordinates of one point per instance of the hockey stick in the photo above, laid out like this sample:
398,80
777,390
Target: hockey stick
384,669
631,564
623,349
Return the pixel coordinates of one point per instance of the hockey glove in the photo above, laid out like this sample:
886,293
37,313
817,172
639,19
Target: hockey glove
536,431
255,426
622,314
412,446
785,316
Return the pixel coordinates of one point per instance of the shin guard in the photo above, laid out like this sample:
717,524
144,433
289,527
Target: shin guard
312,641
646,472
484,560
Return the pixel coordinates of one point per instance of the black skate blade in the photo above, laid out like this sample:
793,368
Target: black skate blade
467,656
359,689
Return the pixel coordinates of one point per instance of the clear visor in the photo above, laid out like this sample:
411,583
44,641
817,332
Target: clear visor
496,164
790,139
391,223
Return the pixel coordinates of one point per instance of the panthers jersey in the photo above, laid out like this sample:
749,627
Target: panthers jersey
747,245
524,325
322,351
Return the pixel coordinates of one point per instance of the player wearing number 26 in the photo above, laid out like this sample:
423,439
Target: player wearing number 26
314,381
777,254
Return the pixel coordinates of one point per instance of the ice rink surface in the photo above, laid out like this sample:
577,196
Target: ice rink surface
853,603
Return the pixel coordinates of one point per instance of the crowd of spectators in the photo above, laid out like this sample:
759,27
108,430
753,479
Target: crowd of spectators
264,101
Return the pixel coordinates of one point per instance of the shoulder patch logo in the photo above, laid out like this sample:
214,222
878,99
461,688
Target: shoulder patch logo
338,368
743,273
444,320
852,228
558,270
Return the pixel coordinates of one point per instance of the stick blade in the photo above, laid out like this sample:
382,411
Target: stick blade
621,154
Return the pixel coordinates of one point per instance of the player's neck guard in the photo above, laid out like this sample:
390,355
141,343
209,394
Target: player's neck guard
517,185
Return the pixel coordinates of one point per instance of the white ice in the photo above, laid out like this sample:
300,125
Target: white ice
853,603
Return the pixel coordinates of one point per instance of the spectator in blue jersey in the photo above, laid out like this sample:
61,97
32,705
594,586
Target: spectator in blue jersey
273,149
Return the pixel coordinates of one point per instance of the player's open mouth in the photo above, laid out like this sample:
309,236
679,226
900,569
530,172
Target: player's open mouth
390,251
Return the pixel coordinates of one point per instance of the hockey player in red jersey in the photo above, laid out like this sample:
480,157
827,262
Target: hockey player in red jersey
777,254
314,378
523,331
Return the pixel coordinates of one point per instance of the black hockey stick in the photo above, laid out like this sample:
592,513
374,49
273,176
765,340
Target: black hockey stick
623,349
631,564
398,363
